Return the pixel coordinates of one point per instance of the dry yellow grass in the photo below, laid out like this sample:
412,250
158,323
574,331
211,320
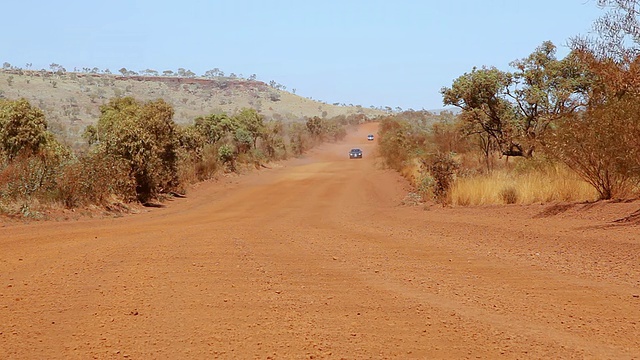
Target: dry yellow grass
554,183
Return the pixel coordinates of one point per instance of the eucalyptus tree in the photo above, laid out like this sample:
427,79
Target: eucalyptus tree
516,109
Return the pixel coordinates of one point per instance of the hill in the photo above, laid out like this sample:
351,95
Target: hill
72,100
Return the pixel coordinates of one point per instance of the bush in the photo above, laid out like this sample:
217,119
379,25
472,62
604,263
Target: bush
509,195
93,180
146,138
227,156
602,145
23,128
442,168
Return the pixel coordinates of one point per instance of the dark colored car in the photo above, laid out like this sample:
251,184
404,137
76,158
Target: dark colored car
355,154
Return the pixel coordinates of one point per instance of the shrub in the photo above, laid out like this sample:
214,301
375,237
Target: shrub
23,128
146,138
227,156
601,145
93,179
442,168
509,195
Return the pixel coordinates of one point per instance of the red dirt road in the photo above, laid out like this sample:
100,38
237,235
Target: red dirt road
320,259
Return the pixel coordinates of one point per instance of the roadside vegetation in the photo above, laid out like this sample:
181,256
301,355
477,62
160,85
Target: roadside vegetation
548,130
138,154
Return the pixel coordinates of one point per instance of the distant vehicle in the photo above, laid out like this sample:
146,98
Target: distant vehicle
370,137
355,154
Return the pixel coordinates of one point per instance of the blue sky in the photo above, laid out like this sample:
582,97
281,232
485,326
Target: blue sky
381,53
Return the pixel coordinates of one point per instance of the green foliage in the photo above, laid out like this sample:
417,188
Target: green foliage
145,136
253,122
328,129
227,156
515,110
242,139
214,127
481,96
137,152
23,128
401,140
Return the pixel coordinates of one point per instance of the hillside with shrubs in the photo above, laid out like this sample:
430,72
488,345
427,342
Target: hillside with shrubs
71,98
137,153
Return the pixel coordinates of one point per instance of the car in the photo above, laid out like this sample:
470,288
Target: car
370,137
355,154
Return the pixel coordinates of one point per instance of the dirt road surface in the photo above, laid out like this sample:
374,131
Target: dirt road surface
320,258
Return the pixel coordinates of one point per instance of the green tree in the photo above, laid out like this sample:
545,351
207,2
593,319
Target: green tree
517,109
545,89
214,127
481,95
252,121
23,128
146,137
242,139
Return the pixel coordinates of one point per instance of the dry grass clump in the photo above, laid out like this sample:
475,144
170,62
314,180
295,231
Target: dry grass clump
504,186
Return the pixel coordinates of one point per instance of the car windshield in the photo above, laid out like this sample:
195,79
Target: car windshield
355,150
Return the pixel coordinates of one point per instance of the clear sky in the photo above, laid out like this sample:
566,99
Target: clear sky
366,52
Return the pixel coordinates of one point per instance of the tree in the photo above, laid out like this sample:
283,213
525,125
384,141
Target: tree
315,125
481,96
23,128
210,74
185,73
149,72
545,89
517,109
252,122
215,126
243,139
145,136
617,32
